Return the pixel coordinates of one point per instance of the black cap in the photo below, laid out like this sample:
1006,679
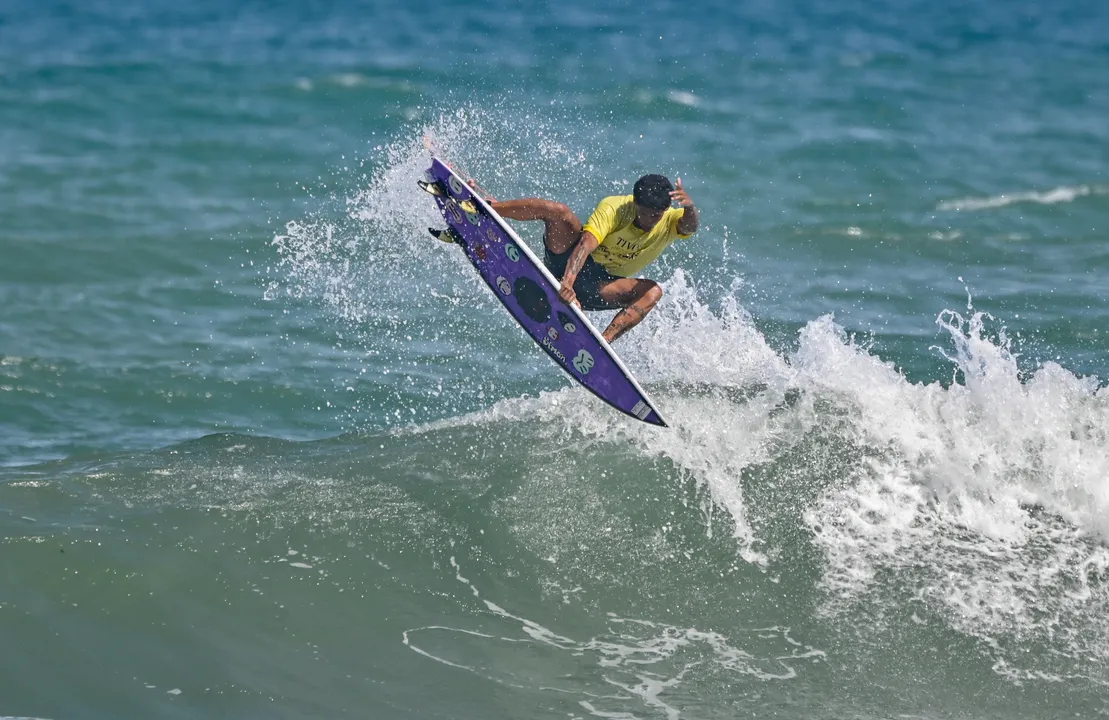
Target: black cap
653,191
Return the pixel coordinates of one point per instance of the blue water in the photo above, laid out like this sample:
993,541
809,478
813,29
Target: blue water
268,450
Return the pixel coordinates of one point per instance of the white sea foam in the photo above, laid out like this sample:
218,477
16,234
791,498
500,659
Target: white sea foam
367,251
356,80
683,97
634,660
985,496
1064,194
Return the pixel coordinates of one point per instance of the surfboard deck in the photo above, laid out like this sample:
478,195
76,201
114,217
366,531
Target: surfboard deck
526,288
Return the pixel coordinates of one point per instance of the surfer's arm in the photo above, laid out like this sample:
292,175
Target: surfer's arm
690,220
586,245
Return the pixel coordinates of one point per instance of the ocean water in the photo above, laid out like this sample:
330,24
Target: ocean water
269,451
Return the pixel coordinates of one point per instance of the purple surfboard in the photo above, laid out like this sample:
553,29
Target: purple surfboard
530,294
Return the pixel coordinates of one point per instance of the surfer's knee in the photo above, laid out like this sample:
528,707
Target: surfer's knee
563,214
551,211
652,293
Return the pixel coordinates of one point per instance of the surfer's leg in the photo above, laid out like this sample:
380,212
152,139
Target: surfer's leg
563,231
563,228
637,296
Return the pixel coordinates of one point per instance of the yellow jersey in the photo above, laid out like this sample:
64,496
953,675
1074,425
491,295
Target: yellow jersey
624,249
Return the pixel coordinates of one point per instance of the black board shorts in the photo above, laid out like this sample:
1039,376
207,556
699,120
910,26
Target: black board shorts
589,282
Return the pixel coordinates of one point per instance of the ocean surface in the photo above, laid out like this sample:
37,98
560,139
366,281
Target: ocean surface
267,450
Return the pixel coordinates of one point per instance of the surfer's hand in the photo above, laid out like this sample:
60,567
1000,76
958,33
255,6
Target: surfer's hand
566,292
680,196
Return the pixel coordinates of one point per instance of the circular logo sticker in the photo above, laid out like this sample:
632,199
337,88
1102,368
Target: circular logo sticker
583,362
474,218
502,283
456,185
512,253
568,323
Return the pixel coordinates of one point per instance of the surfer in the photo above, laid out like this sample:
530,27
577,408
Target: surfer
597,263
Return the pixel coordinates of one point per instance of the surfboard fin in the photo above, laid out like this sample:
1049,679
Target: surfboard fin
433,188
450,235
468,206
